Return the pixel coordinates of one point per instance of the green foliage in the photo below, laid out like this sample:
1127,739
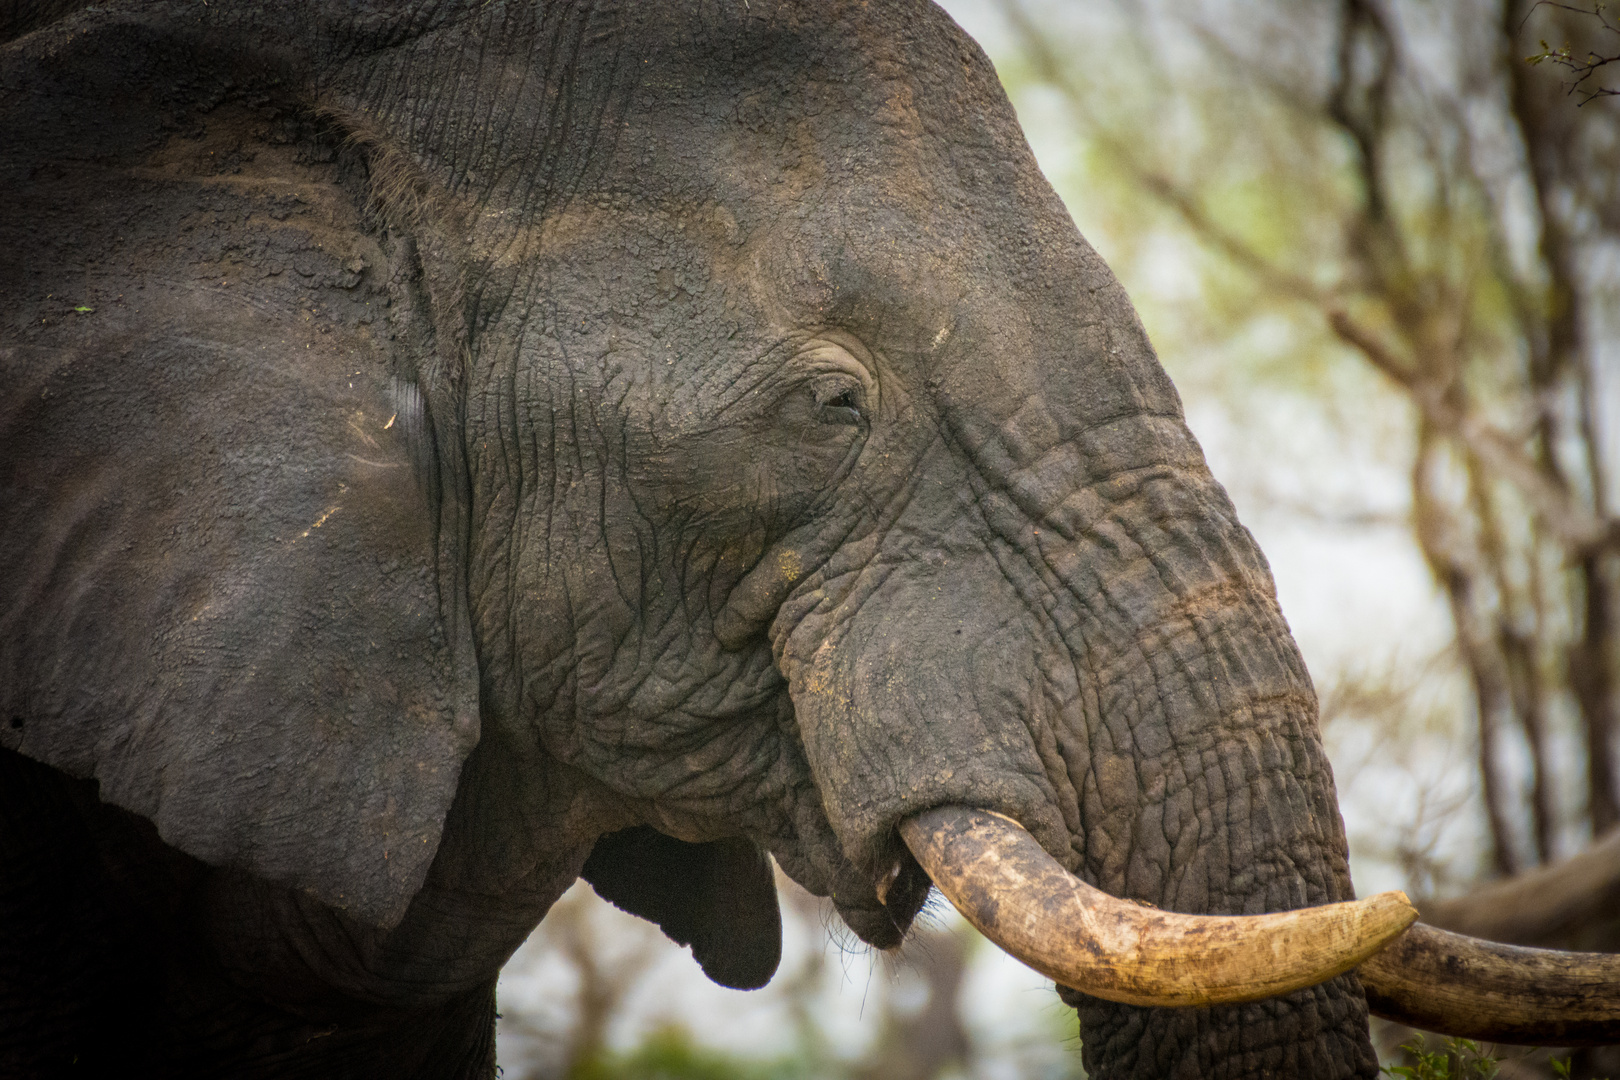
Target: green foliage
670,1054
1562,1069
1457,1059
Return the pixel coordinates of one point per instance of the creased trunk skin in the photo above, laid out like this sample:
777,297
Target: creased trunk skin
1070,627
1211,791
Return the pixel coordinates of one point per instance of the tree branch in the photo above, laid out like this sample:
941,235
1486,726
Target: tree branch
1582,67
1573,524
1556,906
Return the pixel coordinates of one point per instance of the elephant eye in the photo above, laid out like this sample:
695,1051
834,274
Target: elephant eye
840,407
838,387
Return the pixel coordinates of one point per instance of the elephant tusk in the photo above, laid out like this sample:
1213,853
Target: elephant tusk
1465,986
1019,897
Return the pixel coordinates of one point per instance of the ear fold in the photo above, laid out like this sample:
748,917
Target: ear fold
719,898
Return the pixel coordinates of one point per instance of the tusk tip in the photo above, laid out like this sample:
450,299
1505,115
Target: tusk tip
1393,907
1379,920
1393,900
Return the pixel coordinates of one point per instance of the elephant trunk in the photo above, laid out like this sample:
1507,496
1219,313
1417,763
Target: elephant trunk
1101,659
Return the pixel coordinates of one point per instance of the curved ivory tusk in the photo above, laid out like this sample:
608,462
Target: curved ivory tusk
1006,884
1458,985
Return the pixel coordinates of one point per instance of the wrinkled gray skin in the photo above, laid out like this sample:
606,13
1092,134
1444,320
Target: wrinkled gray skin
503,431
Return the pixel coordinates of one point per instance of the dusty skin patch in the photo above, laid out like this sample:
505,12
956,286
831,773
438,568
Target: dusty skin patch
318,522
240,151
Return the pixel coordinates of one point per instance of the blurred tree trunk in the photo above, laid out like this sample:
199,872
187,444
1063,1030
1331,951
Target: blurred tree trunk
1571,904
922,1041
1519,512
1562,354
610,954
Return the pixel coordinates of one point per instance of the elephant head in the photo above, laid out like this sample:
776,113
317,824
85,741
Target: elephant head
740,452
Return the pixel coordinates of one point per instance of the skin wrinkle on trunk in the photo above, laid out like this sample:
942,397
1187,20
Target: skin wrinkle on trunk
1149,648
1142,667
1177,1029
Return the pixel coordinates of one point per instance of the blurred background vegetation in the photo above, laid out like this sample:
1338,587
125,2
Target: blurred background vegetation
1378,249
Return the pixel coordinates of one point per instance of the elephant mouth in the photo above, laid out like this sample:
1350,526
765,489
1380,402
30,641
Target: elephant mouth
1001,879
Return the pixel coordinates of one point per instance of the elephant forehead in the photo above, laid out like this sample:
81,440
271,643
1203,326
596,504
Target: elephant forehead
871,116
833,187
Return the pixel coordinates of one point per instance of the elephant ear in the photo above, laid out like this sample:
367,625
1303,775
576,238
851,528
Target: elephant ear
718,897
231,589
226,604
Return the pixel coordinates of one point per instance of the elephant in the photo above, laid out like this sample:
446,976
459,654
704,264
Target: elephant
449,448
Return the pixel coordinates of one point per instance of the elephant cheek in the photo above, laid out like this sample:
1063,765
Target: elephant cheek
921,696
